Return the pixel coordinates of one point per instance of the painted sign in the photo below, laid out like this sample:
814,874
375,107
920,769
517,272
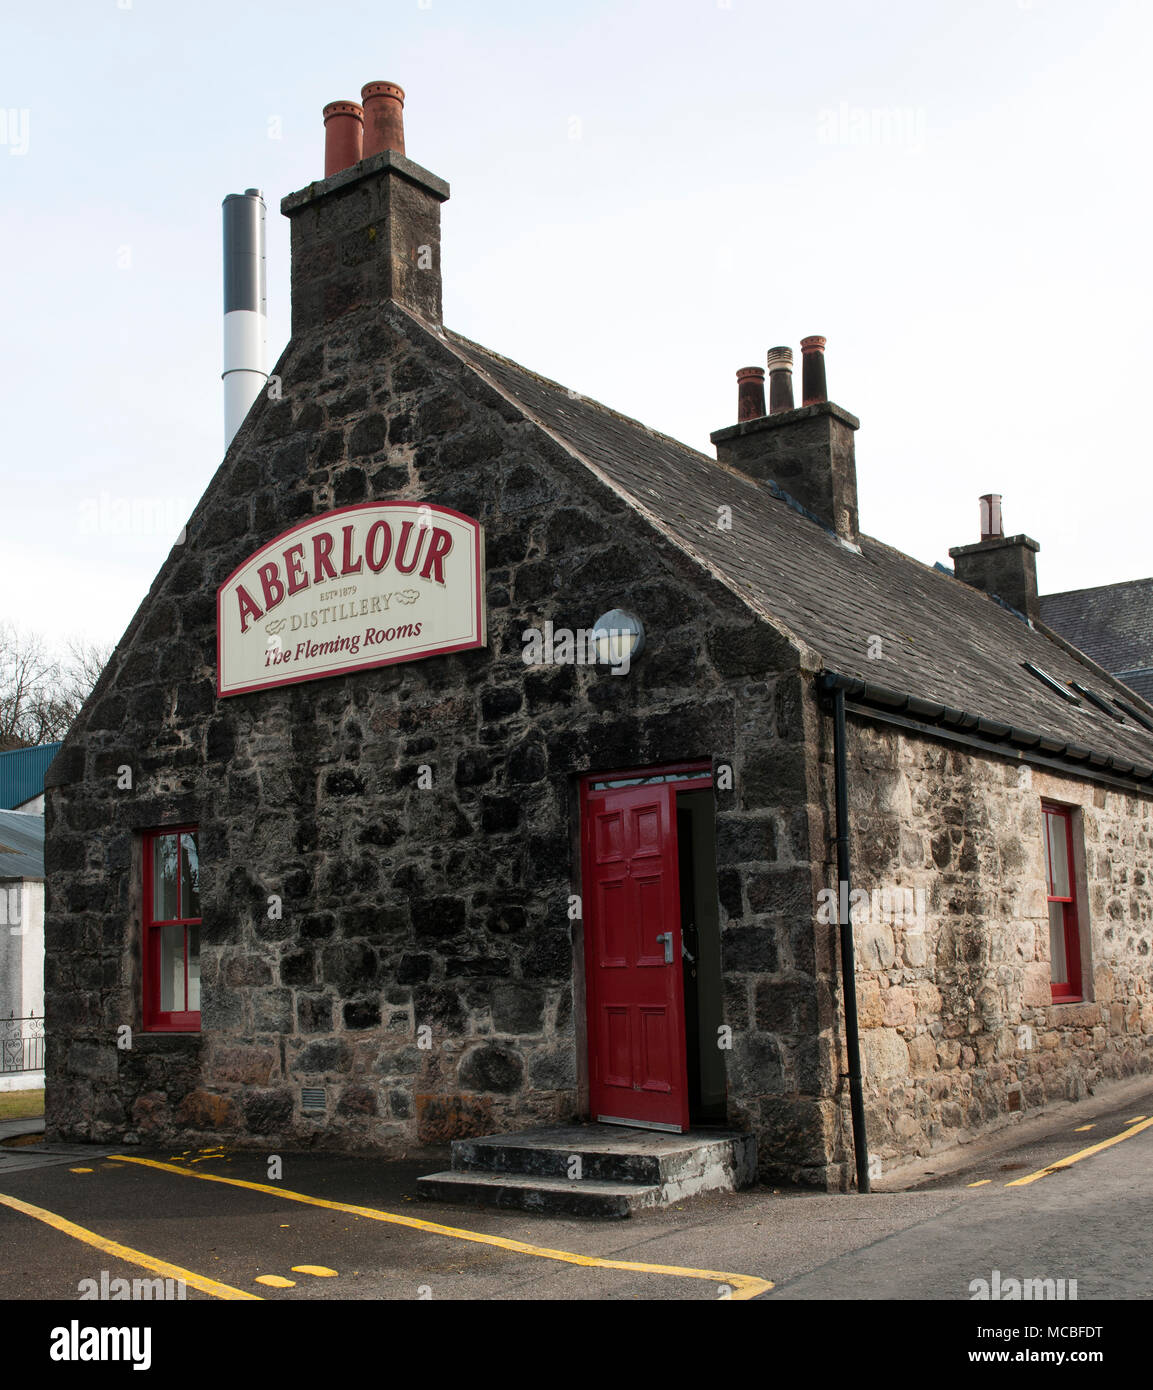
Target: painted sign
362,586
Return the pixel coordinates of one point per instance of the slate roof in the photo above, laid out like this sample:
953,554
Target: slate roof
21,845
22,773
1112,624
942,640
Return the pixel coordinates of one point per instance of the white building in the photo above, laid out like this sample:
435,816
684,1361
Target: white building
21,951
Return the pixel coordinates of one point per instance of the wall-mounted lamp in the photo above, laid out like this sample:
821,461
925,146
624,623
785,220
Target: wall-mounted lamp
619,637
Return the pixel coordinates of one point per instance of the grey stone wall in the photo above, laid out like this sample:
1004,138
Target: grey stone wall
409,909
959,1034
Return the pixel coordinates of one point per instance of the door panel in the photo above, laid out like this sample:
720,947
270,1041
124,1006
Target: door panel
636,1031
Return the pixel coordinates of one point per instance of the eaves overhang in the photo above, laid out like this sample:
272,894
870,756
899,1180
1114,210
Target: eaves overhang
906,710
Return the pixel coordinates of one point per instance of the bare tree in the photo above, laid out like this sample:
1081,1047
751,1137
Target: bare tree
82,668
41,694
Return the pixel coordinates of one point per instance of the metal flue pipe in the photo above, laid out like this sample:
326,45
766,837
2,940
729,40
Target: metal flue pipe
245,307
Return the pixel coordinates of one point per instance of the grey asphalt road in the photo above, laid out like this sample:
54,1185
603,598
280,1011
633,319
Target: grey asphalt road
1090,1222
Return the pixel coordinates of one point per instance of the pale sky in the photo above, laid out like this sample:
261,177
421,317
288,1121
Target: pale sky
645,197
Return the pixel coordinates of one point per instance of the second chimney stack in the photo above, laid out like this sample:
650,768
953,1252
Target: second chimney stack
1004,566
807,451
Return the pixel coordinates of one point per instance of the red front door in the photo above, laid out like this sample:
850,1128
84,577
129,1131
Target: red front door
637,1070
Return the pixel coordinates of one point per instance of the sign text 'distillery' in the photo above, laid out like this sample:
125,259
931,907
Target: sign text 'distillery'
361,586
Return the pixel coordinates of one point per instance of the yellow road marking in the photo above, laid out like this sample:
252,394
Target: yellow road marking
1082,1128
1134,1120
979,1184
275,1280
321,1271
80,1170
1077,1157
744,1286
125,1252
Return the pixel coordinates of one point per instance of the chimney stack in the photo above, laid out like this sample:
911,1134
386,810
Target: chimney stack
1004,566
807,451
370,232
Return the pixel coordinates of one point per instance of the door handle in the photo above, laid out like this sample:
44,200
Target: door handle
667,938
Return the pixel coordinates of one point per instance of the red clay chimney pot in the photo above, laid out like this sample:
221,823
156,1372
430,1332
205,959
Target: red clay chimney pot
343,136
383,117
813,387
750,393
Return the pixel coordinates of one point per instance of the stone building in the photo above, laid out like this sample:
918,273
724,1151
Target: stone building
373,838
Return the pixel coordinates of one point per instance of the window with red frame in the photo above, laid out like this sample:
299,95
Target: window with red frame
1061,890
171,931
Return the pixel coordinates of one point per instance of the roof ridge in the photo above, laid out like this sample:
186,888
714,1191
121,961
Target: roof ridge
689,546
1096,588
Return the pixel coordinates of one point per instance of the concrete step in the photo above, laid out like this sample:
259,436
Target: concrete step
546,1196
593,1169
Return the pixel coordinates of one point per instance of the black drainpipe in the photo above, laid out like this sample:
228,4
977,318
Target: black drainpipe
848,969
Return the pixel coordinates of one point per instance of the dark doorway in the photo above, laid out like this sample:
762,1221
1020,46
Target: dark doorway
701,963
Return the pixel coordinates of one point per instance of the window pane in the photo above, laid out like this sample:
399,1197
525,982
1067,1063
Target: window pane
193,967
172,969
164,878
1057,943
189,876
1058,855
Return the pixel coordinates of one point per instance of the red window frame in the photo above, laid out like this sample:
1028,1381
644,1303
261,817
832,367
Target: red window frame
156,1019
1053,816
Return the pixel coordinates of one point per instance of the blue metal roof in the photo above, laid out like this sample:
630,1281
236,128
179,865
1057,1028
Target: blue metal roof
21,845
22,773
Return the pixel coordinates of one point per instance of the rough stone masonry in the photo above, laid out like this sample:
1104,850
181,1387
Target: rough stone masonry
959,1031
422,969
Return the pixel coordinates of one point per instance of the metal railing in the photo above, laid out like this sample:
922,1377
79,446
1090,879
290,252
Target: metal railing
21,1044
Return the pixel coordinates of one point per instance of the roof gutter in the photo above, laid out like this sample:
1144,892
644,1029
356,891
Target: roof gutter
938,720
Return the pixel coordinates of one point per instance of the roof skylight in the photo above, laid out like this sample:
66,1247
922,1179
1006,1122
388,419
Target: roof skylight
1046,679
